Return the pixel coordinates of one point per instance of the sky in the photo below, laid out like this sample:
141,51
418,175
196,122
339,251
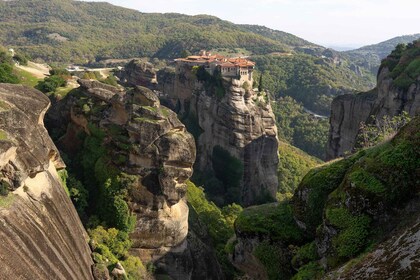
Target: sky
340,23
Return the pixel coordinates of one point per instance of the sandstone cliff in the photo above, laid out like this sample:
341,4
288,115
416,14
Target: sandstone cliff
151,151
398,90
232,118
41,234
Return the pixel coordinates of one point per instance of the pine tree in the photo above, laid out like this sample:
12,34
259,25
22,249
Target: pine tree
260,83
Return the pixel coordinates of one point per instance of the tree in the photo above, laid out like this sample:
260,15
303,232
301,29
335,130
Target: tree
381,129
185,53
260,83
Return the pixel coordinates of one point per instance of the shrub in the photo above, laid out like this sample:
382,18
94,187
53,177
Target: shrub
50,84
275,263
366,181
275,221
218,222
305,254
4,188
310,271
22,59
7,75
353,234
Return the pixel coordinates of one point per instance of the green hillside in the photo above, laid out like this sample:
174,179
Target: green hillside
370,56
312,80
65,30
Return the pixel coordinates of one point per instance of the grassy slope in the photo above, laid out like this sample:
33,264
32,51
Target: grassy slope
26,78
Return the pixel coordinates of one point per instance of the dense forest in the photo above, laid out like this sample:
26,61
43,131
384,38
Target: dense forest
62,31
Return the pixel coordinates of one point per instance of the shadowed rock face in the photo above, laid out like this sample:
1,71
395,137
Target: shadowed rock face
348,111
41,234
157,152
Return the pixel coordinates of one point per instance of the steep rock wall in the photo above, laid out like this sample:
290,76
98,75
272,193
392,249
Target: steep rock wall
41,234
387,99
240,121
146,141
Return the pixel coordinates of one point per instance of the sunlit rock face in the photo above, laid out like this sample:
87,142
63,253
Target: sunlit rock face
41,234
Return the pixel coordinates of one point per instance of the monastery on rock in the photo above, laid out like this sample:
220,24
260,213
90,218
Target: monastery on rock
237,68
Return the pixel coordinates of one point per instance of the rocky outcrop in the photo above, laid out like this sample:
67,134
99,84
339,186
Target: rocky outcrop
41,234
372,195
196,259
387,99
354,218
243,258
147,143
138,73
237,120
262,248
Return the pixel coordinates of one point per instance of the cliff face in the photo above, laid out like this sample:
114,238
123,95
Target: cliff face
147,144
397,91
42,236
239,121
145,141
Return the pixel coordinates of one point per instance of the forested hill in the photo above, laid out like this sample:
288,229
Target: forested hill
66,30
370,56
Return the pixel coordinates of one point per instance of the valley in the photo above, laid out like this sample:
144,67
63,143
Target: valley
167,146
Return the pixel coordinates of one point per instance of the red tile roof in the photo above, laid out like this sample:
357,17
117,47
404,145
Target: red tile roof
225,62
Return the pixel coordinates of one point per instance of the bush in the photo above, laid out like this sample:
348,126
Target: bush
275,221
7,75
50,84
310,271
353,234
273,259
4,188
22,59
305,254
110,80
218,222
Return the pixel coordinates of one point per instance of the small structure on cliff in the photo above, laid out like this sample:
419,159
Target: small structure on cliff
238,68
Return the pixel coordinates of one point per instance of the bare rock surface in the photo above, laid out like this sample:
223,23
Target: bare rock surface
240,121
41,234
